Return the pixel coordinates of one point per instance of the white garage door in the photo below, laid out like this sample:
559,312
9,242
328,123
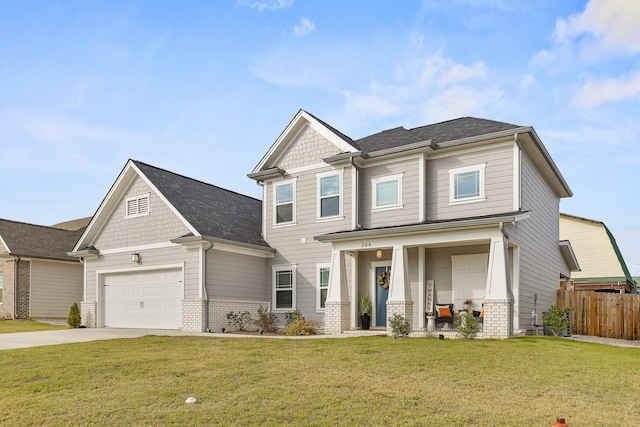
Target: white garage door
148,299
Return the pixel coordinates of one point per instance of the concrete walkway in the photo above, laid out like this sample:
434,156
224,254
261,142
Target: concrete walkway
67,336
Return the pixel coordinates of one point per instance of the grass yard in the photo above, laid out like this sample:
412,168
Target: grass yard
352,381
8,326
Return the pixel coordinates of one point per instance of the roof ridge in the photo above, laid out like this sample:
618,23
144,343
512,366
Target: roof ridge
194,179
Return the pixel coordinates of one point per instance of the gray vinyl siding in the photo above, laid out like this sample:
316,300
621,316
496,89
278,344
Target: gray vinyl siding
55,286
161,225
309,147
151,257
540,259
238,277
498,183
410,194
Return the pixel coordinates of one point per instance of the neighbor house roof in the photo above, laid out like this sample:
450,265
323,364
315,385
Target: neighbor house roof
73,225
211,210
37,241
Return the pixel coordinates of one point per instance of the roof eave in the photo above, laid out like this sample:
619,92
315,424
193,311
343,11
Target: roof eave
569,255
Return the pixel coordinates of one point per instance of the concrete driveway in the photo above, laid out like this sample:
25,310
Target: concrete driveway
66,336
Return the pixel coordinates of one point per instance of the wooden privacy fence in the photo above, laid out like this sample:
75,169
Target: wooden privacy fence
602,314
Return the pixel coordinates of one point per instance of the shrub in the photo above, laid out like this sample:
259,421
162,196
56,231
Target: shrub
239,320
556,320
300,327
74,319
267,321
466,325
292,316
400,327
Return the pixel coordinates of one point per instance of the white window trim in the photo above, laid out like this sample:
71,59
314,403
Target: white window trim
319,177
293,209
320,266
274,269
453,172
137,199
374,197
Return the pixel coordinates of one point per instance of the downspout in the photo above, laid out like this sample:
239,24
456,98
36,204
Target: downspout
204,289
507,268
15,288
356,205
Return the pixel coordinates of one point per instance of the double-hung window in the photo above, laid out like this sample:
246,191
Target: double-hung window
387,191
137,206
323,285
329,195
466,184
284,206
284,287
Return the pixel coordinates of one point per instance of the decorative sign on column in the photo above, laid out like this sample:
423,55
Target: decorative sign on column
430,296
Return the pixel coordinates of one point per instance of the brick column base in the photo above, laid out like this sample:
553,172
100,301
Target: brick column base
88,313
336,317
497,319
193,315
403,308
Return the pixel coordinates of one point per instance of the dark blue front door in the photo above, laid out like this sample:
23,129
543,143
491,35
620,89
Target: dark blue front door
383,278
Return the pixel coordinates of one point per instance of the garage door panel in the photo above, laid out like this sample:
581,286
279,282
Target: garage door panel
150,299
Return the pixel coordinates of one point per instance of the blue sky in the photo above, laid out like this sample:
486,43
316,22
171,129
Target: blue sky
204,88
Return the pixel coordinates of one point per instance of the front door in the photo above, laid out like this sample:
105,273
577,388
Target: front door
382,280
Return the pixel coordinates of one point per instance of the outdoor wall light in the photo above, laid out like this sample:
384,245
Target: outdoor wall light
379,253
135,257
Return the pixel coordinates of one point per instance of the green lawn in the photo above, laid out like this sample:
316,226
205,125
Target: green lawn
351,381
8,326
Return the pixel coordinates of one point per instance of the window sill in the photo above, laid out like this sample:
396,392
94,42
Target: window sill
465,201
330,218
387,208
284,224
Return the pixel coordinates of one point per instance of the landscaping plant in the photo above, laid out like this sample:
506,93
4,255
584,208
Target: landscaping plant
74,320
556,320
267,321
239,320
300,327
466,325
400,327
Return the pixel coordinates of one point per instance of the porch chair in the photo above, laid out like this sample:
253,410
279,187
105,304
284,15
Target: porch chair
444,314
479,315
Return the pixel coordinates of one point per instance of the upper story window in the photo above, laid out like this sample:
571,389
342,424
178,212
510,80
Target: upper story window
284,202
137,206
387,191
466,184
329,195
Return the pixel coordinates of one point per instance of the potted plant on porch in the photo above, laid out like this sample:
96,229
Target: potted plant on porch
365,311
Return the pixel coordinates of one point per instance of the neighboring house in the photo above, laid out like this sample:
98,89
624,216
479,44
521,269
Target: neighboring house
463,209
170,252
468,208
38,279
602,267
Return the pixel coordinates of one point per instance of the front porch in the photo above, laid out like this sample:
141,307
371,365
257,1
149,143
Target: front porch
411,275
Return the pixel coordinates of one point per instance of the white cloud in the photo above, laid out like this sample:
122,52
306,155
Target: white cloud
596,92
605,27
266,4
304,27
444,71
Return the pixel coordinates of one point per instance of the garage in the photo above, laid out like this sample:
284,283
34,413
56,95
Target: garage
150,299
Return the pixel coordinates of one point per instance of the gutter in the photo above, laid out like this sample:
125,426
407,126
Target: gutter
204,289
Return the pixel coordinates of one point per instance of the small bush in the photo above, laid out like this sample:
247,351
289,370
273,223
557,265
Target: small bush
292,316
466,325
400,327
301,327
74,319
556,320
267,321
239,320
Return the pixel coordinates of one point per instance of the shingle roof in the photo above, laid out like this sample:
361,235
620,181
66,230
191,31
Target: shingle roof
38,241
212,211
73,225
450,130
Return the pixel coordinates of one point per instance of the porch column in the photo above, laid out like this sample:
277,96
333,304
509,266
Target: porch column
337,310
399,300
497,303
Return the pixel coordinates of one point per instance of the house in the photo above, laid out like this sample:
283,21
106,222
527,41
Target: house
170,252
414,218
463,209
602,267
38,279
